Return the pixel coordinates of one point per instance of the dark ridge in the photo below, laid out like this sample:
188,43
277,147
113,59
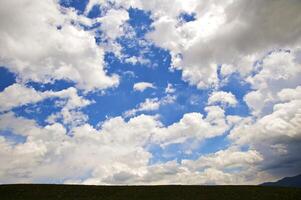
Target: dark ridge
175,192
286,182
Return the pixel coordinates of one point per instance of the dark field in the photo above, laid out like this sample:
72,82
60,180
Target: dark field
75,192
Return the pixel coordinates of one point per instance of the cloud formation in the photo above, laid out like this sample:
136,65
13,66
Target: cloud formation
41,44
141,86
225,98
239,60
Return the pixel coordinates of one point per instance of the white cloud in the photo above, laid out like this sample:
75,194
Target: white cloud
170,89
112,21
227,34
279,70
276,136
225,98
141,86
113,154
203,46
198,47
150,104
226,159
288,94
227,70
17,95
49,152
194,125
68,53
137,60
273,130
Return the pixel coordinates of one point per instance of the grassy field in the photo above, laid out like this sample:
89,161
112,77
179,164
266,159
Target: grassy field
75,192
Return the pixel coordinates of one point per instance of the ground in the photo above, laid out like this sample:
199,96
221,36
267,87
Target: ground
75,192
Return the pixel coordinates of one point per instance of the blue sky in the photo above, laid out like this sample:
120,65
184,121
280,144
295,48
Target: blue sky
165,86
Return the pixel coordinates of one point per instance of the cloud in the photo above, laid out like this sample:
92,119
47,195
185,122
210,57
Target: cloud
273,128
227,159
150,104
141,86
47,149
279,70
68,52
276,136
246,34
225,98
198,47
112,21
115,153
170,89
288,94
194,125
17,95
258,40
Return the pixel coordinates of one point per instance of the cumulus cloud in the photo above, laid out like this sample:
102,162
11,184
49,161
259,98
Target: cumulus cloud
17,95
68,52
102,152
112,23
279,70
276,136
258,40
273,128
141,86
170,89
225,159
194,125
198,47
114,153
225,98
246,34
150,104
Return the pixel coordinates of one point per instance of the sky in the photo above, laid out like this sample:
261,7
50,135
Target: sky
121,92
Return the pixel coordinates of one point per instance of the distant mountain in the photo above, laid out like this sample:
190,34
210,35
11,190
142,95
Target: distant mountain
286,182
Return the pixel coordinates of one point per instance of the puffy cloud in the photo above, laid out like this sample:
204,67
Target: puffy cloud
288,94
115,153
17,95
202,45
226,159
241,164
134,60
194,125
147,105
170,89
49,152
141,86
276,136
258,39
225,98
273,130
248,35
112,23
150,104
198,47
279,70
67,52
